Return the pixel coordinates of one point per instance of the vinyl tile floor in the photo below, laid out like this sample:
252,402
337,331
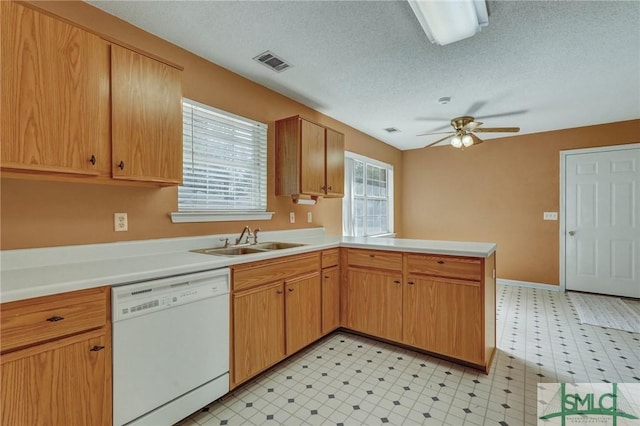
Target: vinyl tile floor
350,380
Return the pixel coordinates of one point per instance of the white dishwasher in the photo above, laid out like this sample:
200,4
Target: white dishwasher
170,347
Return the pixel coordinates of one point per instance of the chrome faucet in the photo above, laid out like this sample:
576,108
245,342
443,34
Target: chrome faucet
249,234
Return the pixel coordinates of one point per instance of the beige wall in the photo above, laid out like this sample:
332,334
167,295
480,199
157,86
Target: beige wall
39,213
497,192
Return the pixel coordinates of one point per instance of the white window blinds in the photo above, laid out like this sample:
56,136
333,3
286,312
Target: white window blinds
225,161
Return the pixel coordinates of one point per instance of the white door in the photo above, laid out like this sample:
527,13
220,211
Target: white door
602,223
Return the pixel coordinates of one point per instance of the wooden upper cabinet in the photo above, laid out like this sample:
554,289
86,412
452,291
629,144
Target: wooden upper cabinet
334,154
146,121
55,80
312,161
309,159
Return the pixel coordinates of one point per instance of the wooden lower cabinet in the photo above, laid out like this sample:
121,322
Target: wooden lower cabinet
444,316
374,303
303,311
330,299
55,366
258,329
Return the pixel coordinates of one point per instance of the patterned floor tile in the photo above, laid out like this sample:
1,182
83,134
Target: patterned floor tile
351,380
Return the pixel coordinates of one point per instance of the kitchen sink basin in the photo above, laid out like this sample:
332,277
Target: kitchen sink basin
276,246
229,251
239,251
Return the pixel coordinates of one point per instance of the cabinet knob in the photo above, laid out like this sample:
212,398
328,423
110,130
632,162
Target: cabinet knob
441,262
121,165
323,187
410,282
372,255
290,290
96,348
330,188
279,292
55,318
92,160
396,281
326,277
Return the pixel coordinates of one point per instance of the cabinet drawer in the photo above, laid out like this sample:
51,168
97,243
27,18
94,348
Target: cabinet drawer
253,274
330,258
445,266
31,321
375,259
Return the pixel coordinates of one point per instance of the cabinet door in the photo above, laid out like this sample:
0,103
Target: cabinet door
330,299
54,89
303,311
258,330
374,303
444,316
335,163
58,384
312,159
146,108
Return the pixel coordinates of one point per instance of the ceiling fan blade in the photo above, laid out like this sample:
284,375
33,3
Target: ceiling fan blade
496,129
504,114
475,107
470,127
435,133
476,140
440,140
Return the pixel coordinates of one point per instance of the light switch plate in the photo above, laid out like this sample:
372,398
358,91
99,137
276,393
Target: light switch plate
309,217
550,216
292,217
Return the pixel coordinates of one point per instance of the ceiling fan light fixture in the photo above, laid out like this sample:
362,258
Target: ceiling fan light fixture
446,22
467,140
456,141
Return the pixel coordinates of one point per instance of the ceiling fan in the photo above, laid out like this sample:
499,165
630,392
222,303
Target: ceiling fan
465,128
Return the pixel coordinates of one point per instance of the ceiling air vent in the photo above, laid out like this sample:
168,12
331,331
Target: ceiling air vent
391,130
269,59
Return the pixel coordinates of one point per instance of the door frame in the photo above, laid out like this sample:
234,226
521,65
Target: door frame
563,182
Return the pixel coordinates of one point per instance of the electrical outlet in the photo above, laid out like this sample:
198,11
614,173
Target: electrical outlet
550,216
309,217
120,222
292,217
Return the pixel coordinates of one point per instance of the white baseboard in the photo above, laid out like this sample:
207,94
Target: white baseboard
528,284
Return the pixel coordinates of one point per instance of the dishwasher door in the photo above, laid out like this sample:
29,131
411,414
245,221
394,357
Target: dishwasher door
179,345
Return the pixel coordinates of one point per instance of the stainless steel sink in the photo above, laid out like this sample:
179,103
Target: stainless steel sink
239,251
229,251
277,246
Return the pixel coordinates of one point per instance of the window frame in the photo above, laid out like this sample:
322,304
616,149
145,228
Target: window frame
349,204
228,214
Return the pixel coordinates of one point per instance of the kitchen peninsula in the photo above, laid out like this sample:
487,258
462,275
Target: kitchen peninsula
434,296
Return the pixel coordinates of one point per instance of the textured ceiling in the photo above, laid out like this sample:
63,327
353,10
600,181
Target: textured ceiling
553,64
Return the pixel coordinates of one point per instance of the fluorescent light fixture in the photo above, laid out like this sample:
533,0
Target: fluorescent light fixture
448,21
302,200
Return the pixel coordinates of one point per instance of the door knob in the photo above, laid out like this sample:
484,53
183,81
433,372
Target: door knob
572,233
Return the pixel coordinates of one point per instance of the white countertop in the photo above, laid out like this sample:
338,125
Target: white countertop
44,271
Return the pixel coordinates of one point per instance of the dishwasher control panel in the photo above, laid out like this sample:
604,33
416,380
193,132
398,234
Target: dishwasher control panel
140,299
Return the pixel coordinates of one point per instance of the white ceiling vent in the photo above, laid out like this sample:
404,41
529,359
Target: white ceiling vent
270,60
392,129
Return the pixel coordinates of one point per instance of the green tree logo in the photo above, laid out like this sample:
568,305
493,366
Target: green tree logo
565,404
